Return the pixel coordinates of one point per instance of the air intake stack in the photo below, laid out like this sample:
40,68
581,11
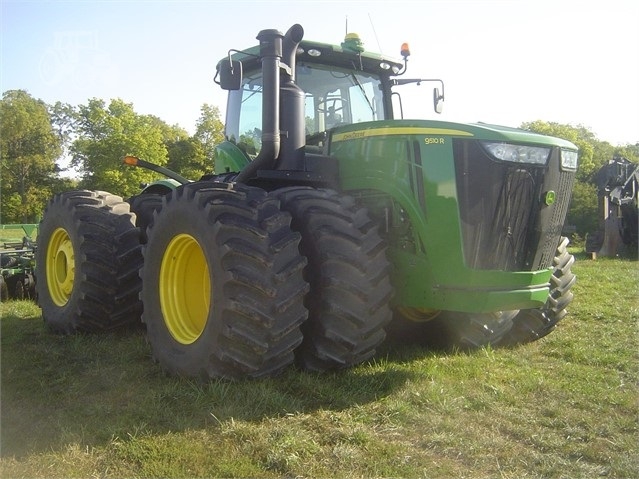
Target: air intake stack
283,135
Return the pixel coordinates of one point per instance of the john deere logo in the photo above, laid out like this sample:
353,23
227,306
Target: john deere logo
550,197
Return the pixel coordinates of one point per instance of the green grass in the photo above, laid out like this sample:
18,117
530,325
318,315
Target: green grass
565,406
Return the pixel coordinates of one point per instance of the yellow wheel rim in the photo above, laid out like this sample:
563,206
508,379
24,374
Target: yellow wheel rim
185,289
60,267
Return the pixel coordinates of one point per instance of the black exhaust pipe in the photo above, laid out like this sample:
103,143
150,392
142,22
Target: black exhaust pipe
272,43
292,115
290,43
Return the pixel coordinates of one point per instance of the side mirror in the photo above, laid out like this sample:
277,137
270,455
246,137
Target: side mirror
438,100
230,74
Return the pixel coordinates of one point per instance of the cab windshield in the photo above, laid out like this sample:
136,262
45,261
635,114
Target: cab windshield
333,97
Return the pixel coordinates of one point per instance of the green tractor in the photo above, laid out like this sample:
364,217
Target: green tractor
329,220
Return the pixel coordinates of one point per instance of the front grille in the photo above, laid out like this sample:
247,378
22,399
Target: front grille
550,235
504,224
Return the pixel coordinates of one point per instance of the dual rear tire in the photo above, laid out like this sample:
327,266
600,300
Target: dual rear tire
87,262
348,274
227,293
223,276
222,283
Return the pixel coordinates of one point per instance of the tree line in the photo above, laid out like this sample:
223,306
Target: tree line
36,139
583,213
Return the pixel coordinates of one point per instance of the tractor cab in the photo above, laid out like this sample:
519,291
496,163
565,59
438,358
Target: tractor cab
333,96
323,87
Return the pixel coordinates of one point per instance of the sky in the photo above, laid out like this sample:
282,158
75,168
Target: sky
503,62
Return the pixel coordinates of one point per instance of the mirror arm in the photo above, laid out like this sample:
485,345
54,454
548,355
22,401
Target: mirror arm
437,96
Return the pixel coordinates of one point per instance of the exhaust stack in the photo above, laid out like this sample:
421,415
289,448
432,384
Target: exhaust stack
273,47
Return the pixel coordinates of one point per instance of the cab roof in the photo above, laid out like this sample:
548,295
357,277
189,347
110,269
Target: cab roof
327,54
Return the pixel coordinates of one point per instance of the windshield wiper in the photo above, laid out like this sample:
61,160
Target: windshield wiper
361,87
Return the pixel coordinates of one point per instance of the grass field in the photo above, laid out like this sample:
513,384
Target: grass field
563,407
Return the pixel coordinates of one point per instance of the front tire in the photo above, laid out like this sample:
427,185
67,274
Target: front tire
348,274
533,324
469,331
87,260
222,283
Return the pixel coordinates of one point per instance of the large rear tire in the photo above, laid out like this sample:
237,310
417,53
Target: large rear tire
348,273
222,283
144,206
533,324
88,259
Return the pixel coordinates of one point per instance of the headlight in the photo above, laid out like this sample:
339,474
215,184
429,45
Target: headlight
568,159
536,155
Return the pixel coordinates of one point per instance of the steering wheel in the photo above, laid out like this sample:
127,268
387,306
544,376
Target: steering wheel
343,102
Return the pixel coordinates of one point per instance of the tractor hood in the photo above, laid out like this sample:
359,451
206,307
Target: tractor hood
480,131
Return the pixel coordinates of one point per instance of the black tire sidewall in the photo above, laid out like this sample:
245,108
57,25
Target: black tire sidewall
58,318
533,324
342,329
144,206
178,358
107,258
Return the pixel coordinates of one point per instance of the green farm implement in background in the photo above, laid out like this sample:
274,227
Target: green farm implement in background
17,262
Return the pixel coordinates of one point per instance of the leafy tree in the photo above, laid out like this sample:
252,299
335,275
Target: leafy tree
29,147
584,208
583,138
630,152
250,142
185,154
104,135
170,133
593,154
64,118
187,157
209,131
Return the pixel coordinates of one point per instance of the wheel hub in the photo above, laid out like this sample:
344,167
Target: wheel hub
185,289
60,267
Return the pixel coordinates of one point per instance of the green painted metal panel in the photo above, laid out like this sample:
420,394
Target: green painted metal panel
229,158
161,186
412,163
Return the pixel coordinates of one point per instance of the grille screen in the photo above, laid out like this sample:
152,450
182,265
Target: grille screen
504,224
